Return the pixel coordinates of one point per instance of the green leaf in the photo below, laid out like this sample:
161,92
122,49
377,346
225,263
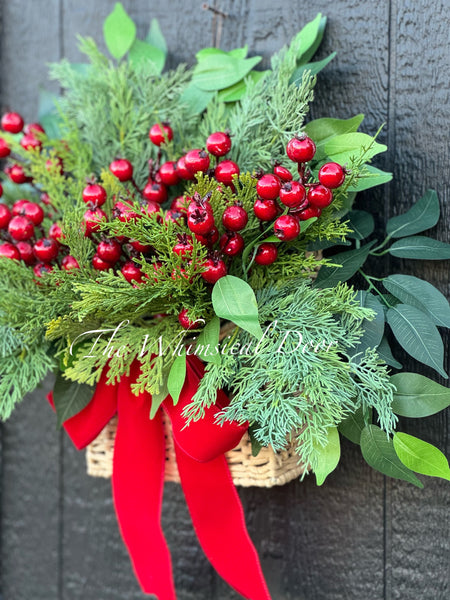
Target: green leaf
141,52
350,262
421,294
196,99
418,335
233,299
374,329
158,399
420,456
70,398
256,445
119,31
51,123
176,377
238,90
47,103
210,336
362,224
325,244
329,456
313,68
155,37
323,130
378,452
239,52
417,396
344,148
310,38
217,72
421,216
352,426
370,178
420,248
385,352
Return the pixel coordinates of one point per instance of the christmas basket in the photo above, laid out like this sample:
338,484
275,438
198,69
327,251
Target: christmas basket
177,247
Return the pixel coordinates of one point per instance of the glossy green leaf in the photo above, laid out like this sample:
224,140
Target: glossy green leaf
239,52
310,38
378,452
158,399
350,262
418,335
323,130
421,457
70,398
209,341
370,178
233,299
420,248
385,352
119,31
373,329
155,37
421,294
313,67
329,456
217,72
417,396
362,223
238,90
420,217
176,377
47,103
141,52
196,99
352,426
349,147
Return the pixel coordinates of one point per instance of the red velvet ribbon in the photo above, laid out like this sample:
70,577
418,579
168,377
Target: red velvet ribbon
138,480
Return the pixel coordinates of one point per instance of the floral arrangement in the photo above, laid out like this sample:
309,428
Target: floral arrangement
171,235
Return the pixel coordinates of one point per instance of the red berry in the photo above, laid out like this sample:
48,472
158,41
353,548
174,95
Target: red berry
122,169
234,218
1,190
308,213
168,173
160,134
185,322
17,174
109,250
132,272
266,253
41,269
225,171
33,211
99,264
124,212
9,251
32,128
55,233
196,203
292,194
331,175
174,216
215,268
18,206
140,247
231,243
155,192
265,210
5,216
26,252
46,249
200,221
12,122
55,164
197,160
5,150
94,194
184,245
29,142
150,208
301,149
283,173
286,228
219,143
182,170
45,199
268,187
209,239
179,204
21,228
69,263
320,196
92,219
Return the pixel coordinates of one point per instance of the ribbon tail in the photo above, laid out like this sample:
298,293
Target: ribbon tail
138,480
218,519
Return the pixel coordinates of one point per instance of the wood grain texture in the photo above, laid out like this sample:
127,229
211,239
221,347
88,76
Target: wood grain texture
358,536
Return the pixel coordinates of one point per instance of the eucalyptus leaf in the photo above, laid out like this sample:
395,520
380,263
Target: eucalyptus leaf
421,294
370,177
418,335
420,248
325,244
373,329
238,90
195,98
314,68
385,352
329,456
233,299
352,426
420,217
119,31
47,103
378,452
310,38
217,72
417,396
350,146
420,456
323,130
350,262
155,37
209,340
176,377
362,223
70,398
141,52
